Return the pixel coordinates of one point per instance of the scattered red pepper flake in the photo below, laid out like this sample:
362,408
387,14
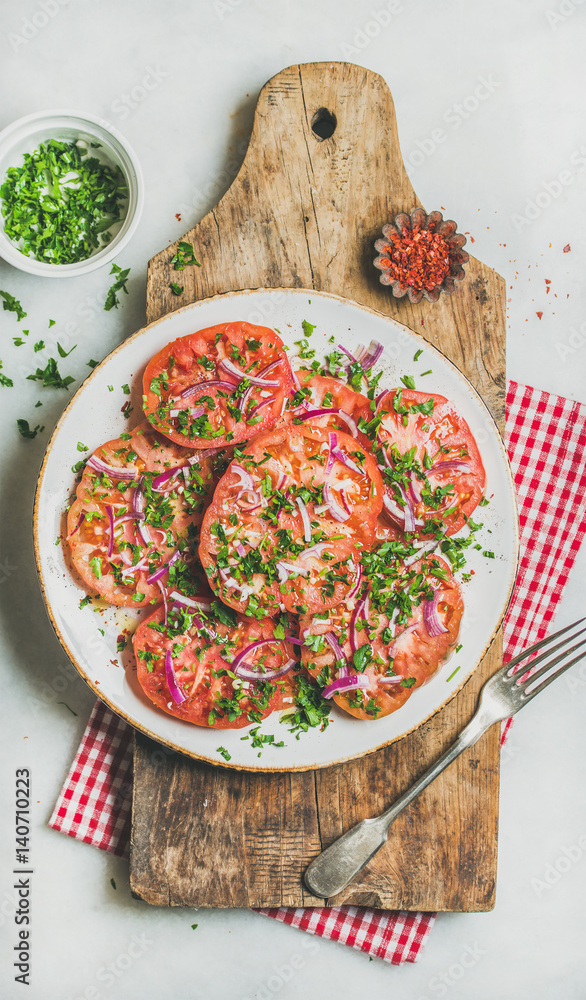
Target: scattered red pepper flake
567,248
178,216
539,315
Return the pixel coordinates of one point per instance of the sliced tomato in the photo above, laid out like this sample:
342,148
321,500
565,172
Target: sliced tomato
289,521
384,637
203,649
198,389
432,469
318,395
172,485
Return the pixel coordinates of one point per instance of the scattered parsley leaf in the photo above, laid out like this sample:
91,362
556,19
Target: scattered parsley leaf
50,376
62,352
39,346
67,707
92,364
177,290
308,328
18,341
452,675
408,682
184,257
112,883
25,430
224,753
194,926
51,323
4,380
224,614
112,300
408,381
10,304
418,354
126,389
81,446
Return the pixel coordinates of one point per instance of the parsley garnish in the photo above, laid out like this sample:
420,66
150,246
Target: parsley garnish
11,304
119,285
25,430
176,289
226,756
4,380
50,376
59,205
184,257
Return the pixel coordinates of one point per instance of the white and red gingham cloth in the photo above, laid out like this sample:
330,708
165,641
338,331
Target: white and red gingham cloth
546,439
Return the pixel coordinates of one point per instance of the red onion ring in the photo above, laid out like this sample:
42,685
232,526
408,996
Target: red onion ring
343,684
96,463
164,568
431,617
203,386
331,412
174,689
232,369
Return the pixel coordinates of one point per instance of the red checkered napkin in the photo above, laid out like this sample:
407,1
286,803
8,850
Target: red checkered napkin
546,438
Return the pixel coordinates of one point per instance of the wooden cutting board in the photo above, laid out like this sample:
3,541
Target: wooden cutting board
304,211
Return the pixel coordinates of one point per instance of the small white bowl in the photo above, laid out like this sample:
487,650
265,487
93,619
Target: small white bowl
24,136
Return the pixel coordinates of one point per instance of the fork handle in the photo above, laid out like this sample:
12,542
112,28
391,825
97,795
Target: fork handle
340,863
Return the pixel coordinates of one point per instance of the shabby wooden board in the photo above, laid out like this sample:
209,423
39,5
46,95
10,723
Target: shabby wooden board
304,211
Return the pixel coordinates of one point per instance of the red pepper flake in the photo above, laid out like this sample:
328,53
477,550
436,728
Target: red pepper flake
178,216
539,315
417,259
547,281
472,240
567,248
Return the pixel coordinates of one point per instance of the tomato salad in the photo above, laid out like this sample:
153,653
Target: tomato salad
325,519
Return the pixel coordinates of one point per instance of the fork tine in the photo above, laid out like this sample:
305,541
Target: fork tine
527,695
542,643
548,653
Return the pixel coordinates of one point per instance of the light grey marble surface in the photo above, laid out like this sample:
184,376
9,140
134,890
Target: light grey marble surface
490,100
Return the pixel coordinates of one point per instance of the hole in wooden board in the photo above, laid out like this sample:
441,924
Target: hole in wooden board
323,124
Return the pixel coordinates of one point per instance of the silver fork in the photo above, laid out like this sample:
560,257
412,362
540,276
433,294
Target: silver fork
504,694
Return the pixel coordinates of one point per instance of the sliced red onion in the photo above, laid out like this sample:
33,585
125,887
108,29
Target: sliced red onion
259,406
379,400
335,646
244,653
195,411
164,568
80,521
232,369
269,368
347,353
174,689
284,568
406,631
368,356
193,459
127,517
247,672
384,681
360,611
333,443
305,518
129,571
440,467
392,508
138,505
164,596
408,513
315,551
337,512
421,551
111,525
344,502
431,617
415,487
246,480
159,481
189,602
241,550
357,584
96,463
204,386
344,684
345,460
331,412
281,480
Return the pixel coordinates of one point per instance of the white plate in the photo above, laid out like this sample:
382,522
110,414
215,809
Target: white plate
93,416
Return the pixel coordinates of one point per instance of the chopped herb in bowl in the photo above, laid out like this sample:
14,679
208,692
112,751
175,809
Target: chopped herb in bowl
61,205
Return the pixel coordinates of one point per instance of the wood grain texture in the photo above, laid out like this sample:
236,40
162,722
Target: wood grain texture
304,213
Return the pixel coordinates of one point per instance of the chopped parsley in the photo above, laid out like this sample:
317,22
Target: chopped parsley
51,377
119,285
10,304
60,204
227,756
184,257
25,430
176,289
